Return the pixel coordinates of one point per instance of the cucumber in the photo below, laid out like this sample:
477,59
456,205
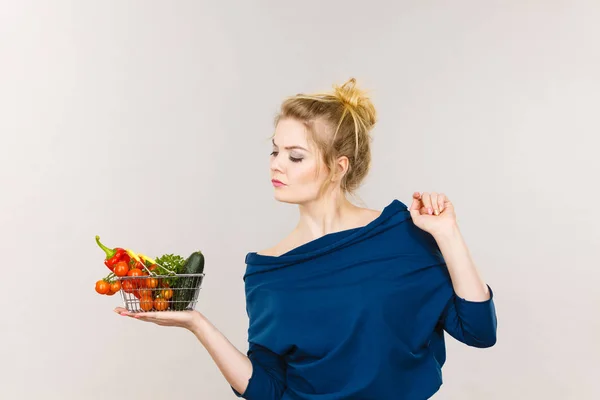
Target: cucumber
185,287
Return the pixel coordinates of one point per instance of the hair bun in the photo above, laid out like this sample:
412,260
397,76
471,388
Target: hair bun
350,95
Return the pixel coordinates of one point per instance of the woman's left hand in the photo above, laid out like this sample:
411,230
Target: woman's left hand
432,212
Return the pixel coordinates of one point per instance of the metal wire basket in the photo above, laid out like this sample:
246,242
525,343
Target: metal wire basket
152,293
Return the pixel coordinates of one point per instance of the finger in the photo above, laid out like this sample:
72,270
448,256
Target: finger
441,201
123,311
141,316
166,318
162,319
148,316
448,206
126,313
434,203
426,199
416,204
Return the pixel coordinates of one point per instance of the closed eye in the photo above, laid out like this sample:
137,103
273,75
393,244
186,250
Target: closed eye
292,159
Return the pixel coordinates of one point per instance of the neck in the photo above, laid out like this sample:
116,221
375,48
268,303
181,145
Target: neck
319,217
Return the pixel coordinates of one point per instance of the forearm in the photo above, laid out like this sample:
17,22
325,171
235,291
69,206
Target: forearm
233,364
466,279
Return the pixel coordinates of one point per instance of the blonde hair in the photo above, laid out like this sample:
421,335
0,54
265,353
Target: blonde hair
339,123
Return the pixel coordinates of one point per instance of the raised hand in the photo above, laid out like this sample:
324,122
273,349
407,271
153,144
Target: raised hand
432,212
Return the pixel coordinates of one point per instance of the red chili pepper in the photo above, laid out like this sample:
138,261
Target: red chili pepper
113,256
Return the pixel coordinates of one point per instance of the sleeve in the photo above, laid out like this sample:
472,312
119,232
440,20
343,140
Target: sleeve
268,375
471,322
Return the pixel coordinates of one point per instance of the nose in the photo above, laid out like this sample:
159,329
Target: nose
276,164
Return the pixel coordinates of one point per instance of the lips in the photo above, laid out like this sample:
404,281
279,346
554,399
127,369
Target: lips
277,183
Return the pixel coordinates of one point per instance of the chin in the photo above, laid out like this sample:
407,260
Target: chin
292,198
284,199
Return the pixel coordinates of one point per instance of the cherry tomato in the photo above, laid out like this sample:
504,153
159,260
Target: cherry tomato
135,272
167,293
128,286
145,292
102,286
152,283
161,304
146,303
115,287
121,268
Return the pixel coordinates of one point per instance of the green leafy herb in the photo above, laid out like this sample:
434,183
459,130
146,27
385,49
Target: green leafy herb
173,262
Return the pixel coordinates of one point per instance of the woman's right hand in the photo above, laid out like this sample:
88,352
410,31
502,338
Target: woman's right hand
182,319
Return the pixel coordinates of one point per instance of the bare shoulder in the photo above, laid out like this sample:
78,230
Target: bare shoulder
271,251
282,247
367,215
360,218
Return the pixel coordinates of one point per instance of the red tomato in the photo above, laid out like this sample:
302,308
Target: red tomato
135,272
128,286
167,293
121,268
151,283
115,287
102,286
161,304
146,303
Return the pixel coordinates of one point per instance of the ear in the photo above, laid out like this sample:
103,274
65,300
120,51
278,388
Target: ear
342,167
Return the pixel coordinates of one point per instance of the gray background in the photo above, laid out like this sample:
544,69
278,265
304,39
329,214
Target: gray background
146,123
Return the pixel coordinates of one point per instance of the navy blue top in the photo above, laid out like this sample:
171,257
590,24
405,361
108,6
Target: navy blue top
357,314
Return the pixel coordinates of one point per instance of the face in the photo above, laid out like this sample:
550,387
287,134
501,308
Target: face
296,163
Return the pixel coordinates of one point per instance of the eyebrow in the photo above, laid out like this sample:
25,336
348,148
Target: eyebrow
290,147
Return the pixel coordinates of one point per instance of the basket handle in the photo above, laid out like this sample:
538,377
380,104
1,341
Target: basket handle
146,258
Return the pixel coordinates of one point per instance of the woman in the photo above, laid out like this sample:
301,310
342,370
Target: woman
353,303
